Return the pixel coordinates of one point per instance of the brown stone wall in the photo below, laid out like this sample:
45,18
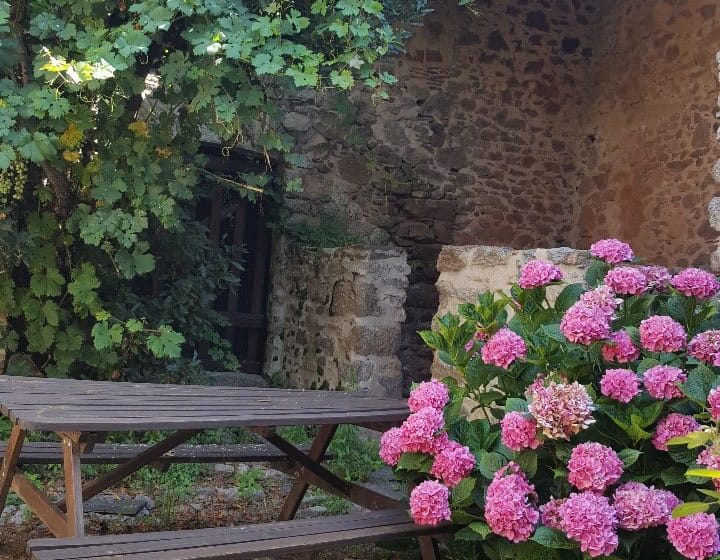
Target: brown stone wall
471,148
648,130
334,318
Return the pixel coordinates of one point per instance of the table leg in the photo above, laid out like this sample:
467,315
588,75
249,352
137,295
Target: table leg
12,454
299,489
73,486
428,548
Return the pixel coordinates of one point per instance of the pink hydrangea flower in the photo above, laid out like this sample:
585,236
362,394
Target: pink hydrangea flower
550,514
620,348
639,506
706,347
662,382
391,446
670,500
538,273
694,536
430,503
433,394
671,426
560,409
593,466
420,428
657,277
509,510
710,457
584,324
503,348
661,333
612,251
590,519
519,431
602,298
626,280
620,384
453,463
697,283
714,403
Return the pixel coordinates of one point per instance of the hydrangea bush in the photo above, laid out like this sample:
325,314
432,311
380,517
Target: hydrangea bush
582,428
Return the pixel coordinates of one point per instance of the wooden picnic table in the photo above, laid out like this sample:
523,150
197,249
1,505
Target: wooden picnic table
82,412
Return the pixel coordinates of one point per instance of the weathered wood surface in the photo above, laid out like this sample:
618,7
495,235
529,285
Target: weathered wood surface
235,543
93,406
42,453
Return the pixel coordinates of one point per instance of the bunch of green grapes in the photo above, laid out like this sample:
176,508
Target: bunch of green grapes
12,181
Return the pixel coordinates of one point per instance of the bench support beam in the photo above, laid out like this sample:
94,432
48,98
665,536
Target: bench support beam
9,462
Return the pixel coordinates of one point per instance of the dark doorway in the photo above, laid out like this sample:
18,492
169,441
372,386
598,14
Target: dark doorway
240,224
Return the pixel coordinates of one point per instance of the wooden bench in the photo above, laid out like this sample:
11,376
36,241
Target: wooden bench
247,541
40,453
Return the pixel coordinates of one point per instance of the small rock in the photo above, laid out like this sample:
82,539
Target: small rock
242,468
204,491
227,493
196,506
224,468
312,511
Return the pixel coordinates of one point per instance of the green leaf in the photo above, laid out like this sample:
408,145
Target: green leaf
552,538
513,404
462,493
166,344
629,456
528,462
553,332
490,463
105,336
47,283
569,295
699,382
692,440
703,473
419,462
595,273
689,508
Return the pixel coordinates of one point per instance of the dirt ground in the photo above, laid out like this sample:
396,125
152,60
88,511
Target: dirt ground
183,514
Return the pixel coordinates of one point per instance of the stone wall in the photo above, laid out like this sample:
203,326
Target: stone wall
650,121
533,123
334,317
469,270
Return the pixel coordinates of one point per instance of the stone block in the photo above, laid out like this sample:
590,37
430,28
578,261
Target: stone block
375,337
296,122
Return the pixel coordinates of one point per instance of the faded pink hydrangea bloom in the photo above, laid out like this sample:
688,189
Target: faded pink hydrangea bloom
593,466
518,431
430,503
662,382
694,536
639,506
673,425
590,520
620,384
433,394
509,508
420,428
620,348
710,457
391,446
697,283
660,333
657,277
560,409
453,463
538,273
503,348
714,403
550,514
602,298
706,347
626,280
612,251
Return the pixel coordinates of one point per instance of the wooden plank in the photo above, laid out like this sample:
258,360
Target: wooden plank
239,533
40,505
237,542
126,469
42,453
73,486
429,549
10,459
